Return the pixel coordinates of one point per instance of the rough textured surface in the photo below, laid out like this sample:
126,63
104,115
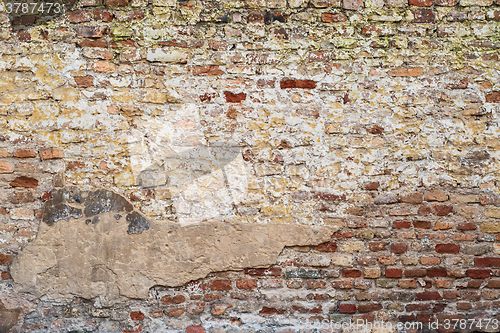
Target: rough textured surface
379,117
116,258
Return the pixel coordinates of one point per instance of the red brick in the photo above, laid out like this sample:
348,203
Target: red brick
447,248
137,315
217,285
24,182
376,246
291,83
464,306
347,308
424,210
451,294
401,224
333,18
78,16
494,284
195,329
24,153
246,284
116,3
363,308
270,311
467,226
420,3
493,97
371,186
425,317
417,307
487,262
24,36
442,210
393,272
407,318
175,312
168,299
479,273
234,98
84,81
437,272
275,271
327,247
399,248
442,318
471,295
474,284
423,16
102,15
351,273
428,296
5,259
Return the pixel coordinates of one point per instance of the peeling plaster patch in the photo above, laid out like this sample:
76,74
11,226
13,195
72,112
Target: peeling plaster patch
114,259
103,201
69,203
53,213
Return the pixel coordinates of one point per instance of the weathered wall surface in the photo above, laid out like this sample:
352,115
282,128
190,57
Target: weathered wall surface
294,160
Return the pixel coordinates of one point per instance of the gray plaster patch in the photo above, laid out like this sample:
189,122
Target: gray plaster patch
103,201
136,223
53,213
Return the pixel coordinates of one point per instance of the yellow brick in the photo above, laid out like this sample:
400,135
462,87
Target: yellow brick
490,228
66,94
492,212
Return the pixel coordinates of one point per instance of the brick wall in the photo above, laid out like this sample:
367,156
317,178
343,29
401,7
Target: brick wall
378,117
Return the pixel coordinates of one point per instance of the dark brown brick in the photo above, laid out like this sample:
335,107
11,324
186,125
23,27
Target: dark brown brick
399,248
327,247
437,272
428,296
479,273
292,83
351,273
423,16
347,308
422,224
418,272
393,272
487,262
401,224
376,246
447,248
467,226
